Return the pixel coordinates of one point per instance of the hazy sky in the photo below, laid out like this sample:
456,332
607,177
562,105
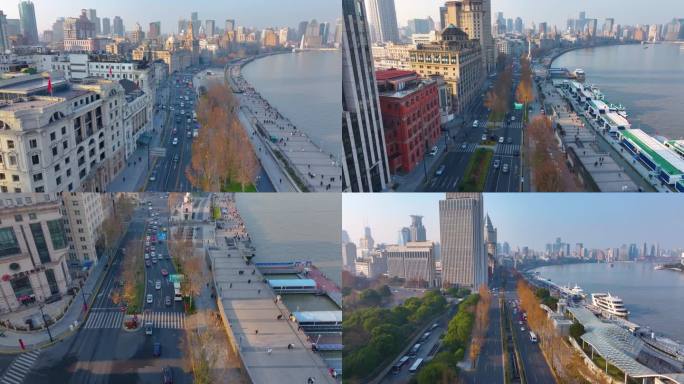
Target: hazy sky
253,13
532,219
558,11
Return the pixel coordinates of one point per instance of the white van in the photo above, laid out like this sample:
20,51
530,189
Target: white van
476,124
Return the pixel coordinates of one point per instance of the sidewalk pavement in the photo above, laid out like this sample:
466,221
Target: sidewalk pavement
411,182
134,175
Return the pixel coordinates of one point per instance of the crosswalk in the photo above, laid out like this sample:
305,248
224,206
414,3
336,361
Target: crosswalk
508,149
469,148
16,371
104,319
173,320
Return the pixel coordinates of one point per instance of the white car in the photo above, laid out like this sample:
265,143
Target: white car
484,137
149,299
157,285
501,140
175,141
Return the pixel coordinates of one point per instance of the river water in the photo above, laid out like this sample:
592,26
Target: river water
306,87
648,82
290,227
654,298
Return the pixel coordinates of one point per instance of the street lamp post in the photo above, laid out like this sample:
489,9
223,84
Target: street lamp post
42,314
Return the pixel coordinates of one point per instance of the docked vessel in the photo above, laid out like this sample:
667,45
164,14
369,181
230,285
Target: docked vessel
610,304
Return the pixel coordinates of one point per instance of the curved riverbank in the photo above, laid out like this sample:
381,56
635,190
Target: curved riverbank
648,80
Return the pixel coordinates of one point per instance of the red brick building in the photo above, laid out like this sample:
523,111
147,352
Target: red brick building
410,115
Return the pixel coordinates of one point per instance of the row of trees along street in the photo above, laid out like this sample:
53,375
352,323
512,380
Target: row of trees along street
524,93
561,356
498,99
222,156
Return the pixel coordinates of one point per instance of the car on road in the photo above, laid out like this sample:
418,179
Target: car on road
147,263
152,253
501,140
464,145
520,322
440,170
476,124
154,260
512,118
504,169
175,158
157,284
148,328
167,301
188,134
522,329
175,141
164,272
150,299
153,176
167,375
484,137
497,162
509,140
156,349
433,151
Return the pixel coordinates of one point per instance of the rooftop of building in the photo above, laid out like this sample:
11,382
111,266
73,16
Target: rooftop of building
398,84
390,74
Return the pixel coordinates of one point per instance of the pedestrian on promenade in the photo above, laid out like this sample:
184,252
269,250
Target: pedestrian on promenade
256,331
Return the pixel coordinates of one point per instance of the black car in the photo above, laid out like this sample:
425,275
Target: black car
167,375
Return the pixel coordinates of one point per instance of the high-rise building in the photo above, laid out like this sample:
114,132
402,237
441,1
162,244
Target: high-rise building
85,213
509,25
106,26
404,236
4,37
27,16
301,29
366,243
118,27
608,27
490,236
230,25
382,17
349,256
474,17
420,26
365,166
210,27
543,32
92,16
591,27
464,262
155,30
414,262
417,229
518,25
34,249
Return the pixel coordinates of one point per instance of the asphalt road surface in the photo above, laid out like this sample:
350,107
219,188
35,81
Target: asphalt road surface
101,352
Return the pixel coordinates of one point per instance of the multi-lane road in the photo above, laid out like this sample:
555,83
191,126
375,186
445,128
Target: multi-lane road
101,351
468,139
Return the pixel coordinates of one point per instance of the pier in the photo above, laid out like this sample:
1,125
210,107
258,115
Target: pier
270,346
306,166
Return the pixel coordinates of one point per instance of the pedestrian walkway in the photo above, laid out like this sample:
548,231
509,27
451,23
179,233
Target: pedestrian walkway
16,372
107,319
508,149
169,320
469,148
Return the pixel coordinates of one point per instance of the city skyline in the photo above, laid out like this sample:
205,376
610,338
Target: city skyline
541,11
248,14
518,225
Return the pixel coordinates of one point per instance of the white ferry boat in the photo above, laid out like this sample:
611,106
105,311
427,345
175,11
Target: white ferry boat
609,303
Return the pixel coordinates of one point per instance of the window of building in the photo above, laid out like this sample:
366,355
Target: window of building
59,180
52,281
13,160
54,151
32,216
57,233
40,242
22,288
38,177
18,218
8,242
35,159
33,143
15,178
10,144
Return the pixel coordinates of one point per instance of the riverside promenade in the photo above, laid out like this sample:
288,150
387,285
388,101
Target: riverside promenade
270,347
305,164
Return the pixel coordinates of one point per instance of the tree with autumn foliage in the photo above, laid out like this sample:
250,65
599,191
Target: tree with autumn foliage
481,323
222,153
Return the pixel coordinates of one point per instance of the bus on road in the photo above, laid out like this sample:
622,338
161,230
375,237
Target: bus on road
416,365
397,367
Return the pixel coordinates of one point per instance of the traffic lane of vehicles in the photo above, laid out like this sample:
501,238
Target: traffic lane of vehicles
427,351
